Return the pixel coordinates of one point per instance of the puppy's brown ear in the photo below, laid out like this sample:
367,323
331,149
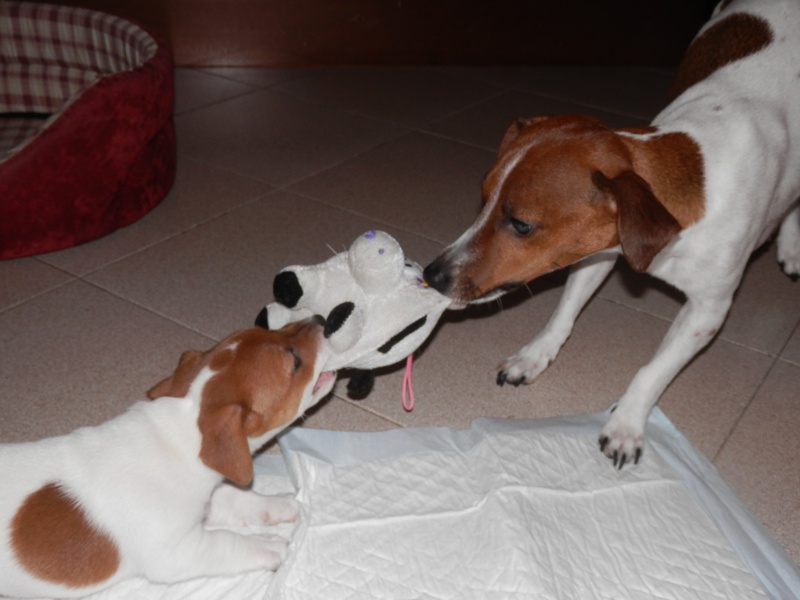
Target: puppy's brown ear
224,447
643,224
177,384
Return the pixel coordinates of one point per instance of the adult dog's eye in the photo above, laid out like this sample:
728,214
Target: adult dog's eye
521,227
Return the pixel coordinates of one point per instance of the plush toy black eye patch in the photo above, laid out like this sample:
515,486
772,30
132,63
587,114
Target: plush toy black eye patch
287,289
396,339
337,317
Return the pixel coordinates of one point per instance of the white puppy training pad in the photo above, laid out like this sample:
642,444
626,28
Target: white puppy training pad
505,510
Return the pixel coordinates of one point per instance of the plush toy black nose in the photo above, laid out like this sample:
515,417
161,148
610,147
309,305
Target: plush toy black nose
437,275
287,289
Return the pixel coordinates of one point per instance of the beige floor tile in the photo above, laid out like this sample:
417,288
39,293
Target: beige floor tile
78,356
764,313
792,351
25,278
201,192
194,89
215,278
638,92
412,97
760,459
419,182
275,138
260,78
485,123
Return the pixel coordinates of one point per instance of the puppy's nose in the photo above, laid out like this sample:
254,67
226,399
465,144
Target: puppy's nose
437,275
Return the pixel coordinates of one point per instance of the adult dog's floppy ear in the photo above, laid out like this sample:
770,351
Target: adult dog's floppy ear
177,384
644,226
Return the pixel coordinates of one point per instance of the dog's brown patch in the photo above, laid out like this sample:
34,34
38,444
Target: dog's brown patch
673,166
733,38
54,541
255,389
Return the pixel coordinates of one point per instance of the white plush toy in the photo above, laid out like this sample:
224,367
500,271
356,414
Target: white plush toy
378,309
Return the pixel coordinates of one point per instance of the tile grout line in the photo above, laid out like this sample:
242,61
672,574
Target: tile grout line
776,359
725,339
150,310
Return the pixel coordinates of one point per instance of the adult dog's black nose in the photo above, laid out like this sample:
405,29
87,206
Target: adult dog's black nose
437,275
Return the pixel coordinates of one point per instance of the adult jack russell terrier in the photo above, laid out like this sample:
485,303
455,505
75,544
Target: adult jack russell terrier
687,200
127,498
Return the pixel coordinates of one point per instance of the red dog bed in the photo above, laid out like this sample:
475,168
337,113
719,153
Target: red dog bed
87,142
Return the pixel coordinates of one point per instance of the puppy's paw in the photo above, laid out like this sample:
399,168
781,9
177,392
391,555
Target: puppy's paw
271,550
526,365
622,440
232,507
275,510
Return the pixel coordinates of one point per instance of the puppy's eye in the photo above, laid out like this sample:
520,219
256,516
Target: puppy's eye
298,362
521,227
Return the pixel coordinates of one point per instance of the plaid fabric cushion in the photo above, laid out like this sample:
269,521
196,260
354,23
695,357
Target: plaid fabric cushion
49,53
15,130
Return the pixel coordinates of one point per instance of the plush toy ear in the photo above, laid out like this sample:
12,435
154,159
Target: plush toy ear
360,384
644,226
287,289
262,320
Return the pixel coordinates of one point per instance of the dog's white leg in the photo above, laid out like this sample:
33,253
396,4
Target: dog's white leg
789,243
234,507
582,283
203,553
695,326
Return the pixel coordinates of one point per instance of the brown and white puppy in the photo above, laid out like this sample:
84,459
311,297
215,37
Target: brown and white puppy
686,199
129,497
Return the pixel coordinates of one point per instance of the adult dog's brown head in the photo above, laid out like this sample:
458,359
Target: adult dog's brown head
562,188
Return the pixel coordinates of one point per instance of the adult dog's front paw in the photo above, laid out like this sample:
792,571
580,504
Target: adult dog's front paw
526,365
789,245
622,440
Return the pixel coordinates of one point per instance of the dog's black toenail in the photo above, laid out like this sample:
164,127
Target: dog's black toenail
603,442
501,378
637,456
